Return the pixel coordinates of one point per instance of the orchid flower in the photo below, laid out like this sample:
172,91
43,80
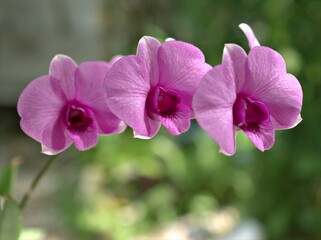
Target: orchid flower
67,106
156,86
253,93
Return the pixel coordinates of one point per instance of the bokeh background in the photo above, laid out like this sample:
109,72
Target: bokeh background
167,187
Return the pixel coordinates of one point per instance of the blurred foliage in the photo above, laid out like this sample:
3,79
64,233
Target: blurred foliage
126,187
7,177
10,219
130,186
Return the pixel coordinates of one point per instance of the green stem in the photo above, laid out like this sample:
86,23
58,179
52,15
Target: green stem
36,180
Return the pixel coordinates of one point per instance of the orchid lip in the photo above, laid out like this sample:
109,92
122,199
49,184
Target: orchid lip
77,118
167,102
249,114
162,102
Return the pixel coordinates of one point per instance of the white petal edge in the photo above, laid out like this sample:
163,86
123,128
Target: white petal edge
50,152
169,39
247,30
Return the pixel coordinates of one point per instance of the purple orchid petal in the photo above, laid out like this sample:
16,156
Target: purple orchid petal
213,106
279,126
264,138
55,139
83,140
247,30
39,107
239,112
127,86
147,49
89,82
107,122
49,151
179,122
235,57
63,69
284,102
152,103
263,68
89,89
152,127
181,67
268,82
114,59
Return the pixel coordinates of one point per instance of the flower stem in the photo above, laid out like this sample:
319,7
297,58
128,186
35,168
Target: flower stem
36,180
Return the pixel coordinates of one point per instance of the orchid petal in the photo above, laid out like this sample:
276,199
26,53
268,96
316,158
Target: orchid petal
264,138
63,69
89,90
268,82
49,151
152,127
127,86
263,67
284,102
89,82
213,106
181,67
247,30
114,59
107,122
84,140
178,123
235,57
147,49
39,107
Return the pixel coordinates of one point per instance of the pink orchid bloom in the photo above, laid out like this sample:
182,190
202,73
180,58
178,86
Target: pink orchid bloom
67,106
156,86
253,93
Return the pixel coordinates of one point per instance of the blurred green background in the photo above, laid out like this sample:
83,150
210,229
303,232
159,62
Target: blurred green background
127,188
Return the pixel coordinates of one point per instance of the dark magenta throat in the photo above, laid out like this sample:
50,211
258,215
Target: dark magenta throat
167,102
163,102
77,118
249,114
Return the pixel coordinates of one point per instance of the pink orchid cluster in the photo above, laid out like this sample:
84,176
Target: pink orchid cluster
163,84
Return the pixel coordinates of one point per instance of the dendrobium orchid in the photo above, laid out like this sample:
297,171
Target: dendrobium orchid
253,93
156,86
68,106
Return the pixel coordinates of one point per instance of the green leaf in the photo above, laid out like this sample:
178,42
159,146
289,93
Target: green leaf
10,219
7,176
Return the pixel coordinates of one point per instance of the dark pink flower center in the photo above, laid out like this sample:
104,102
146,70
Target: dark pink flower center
162,102
77,118
249,114
167,102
